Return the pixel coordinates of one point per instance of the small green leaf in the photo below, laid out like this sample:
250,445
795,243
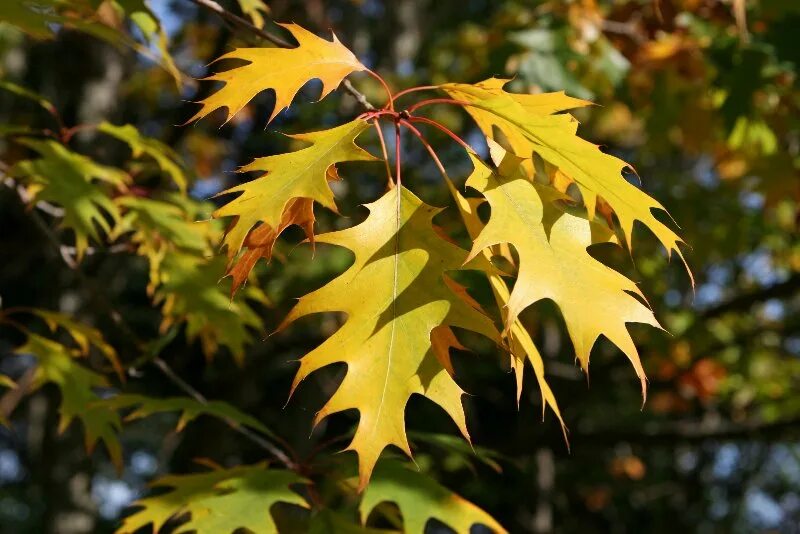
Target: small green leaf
219,502
166,158
190,410
191,292
84,336
420,498
78,399
68,179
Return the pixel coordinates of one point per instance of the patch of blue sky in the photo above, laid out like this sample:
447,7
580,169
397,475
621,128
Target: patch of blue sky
143,463
759,267
705,172
112,495
762,510
206,188
11,469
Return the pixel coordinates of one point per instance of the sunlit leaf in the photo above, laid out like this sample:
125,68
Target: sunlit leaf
303,173
395,294
283,70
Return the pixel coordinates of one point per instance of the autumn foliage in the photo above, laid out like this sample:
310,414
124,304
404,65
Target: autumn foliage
531,208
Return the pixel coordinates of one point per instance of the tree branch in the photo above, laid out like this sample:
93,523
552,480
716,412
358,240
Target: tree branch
245,24
693,432
745,301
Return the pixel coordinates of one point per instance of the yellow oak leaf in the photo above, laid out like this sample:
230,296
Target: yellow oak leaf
284,70
538,104
395,295
303,173
593,298
443,339
260,242
554,138
521,345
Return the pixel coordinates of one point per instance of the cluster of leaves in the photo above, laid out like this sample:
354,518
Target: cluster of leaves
716,83
100,203
397,294
551,195
103,19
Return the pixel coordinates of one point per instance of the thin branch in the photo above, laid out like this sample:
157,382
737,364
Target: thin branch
428,147
692,431
10,400
397,152
199,397
50,209
385,152
245,24
369,115
444,129
432,101
389,96
415,89
744,301
240,22
67,253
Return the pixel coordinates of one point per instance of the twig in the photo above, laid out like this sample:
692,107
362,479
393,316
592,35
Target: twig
444,129
196,395
236,20
12,397
692,432
377,125
744,301
244,24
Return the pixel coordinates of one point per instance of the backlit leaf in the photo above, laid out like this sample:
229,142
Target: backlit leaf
158,227
260,242
554,138
521,345
84,336
140,145
303,173
284,70
56,364
191,292
556,265
395,295
255,11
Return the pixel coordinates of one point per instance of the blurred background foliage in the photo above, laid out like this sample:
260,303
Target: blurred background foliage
701,96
